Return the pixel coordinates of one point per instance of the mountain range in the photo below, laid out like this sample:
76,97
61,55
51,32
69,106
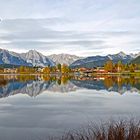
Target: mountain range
34,87
94,61
35,58
31,58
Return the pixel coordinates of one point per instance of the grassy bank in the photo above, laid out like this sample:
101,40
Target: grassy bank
121,130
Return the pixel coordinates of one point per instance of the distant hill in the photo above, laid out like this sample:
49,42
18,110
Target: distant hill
98,61
136,60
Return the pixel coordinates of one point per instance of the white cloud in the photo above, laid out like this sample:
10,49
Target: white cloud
82,27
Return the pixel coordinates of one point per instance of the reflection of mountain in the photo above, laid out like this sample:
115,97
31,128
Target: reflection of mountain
100,85
32,88
89,84
63,87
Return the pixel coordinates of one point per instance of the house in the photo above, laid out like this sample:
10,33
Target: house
100,70
85,70
10,70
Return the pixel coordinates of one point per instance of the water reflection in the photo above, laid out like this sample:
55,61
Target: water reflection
34,85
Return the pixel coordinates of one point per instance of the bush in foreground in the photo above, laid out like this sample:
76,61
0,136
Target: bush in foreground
121,130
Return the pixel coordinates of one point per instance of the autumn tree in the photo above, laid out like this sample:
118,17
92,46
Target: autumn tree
109,66
126,67
46,70
120,66
21,69
53,69
132,67
59,67
64,68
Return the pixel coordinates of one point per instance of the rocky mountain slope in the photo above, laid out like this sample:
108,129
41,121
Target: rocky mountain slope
7,57
35,58
95,61
64,58
136,60
31,58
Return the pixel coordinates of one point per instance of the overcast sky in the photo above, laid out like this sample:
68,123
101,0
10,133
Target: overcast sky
81,27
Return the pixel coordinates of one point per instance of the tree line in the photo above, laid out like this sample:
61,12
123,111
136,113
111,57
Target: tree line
64,69
120,67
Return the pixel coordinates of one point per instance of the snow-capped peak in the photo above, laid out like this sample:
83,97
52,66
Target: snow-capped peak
121,54
64,58
31,58
37,59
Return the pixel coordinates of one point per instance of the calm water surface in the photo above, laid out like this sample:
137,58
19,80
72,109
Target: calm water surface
35,107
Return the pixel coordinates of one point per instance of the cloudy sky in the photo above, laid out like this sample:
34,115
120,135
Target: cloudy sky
81,27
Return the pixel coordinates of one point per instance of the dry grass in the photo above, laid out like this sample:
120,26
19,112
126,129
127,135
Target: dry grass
121,130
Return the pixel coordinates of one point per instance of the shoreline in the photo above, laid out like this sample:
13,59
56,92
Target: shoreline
76,74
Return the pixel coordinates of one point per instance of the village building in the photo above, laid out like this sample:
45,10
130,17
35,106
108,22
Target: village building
10,70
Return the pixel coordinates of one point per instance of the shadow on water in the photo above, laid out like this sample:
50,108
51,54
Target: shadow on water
33,85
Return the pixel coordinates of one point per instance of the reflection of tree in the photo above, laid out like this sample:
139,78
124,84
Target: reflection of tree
64,79
3,82
46,77
59,81
24,78
4,79
53,78
132,80
120,81
108,82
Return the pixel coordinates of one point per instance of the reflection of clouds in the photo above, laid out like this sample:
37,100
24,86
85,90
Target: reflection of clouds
5,105
52,114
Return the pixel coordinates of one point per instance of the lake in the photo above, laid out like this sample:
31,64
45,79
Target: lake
35,107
